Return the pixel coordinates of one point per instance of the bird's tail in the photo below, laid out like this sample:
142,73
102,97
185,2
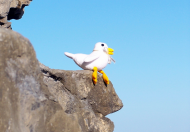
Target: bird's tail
69,55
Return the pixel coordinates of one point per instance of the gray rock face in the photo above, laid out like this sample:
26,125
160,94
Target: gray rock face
4,7
35,98
11,9
23,95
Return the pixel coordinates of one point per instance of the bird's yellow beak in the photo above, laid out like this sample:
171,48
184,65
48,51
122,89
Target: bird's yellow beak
110,51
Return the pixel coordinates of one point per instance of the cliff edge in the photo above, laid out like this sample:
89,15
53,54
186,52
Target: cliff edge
35,98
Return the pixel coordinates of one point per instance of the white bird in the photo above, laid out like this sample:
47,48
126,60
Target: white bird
96,61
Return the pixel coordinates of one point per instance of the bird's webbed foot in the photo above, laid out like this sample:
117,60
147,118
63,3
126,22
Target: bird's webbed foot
95,75
105,77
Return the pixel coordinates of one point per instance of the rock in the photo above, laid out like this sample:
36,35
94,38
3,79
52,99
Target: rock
35,98
102,98
23,95
11,9
17,9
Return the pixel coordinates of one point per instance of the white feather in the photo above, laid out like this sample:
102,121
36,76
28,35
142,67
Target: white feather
93,56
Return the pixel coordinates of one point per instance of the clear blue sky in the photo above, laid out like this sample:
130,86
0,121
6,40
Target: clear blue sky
151,40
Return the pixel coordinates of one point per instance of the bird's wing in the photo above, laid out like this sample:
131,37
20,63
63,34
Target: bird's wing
93,56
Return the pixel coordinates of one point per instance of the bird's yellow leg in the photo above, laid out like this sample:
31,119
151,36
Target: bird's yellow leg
95,74
105,77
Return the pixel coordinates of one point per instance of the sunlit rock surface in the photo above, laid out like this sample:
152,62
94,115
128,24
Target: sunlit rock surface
35,98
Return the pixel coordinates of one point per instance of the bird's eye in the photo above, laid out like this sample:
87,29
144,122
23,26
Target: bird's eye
102,44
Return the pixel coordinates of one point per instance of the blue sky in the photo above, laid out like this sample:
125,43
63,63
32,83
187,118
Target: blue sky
151,40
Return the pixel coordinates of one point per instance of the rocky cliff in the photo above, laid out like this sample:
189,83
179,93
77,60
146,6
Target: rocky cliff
35,98
11,9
